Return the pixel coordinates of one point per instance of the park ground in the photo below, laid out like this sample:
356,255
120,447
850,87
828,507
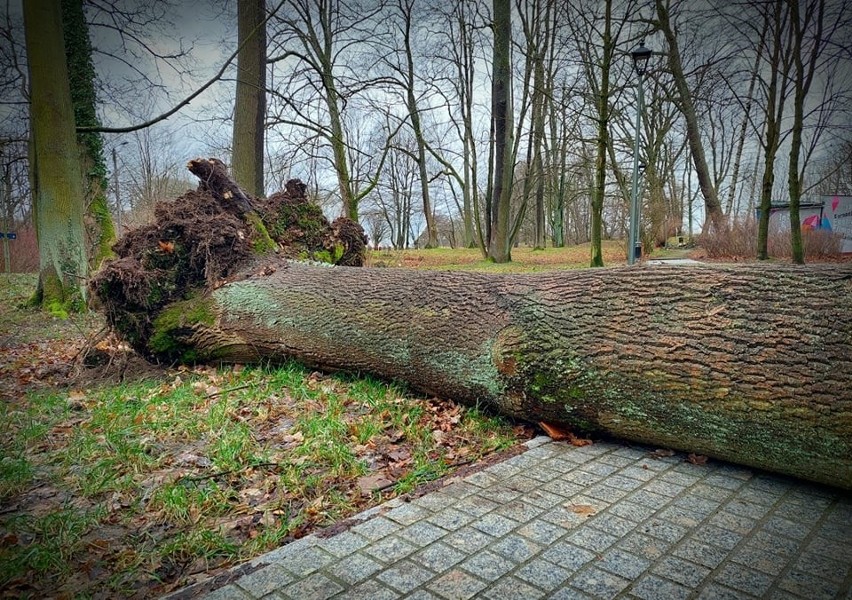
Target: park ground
122,478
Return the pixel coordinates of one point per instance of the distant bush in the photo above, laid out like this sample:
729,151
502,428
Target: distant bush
740,242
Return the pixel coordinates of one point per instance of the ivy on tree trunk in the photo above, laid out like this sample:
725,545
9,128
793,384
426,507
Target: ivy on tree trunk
81,78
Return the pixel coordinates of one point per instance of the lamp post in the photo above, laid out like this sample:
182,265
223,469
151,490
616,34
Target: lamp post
115,182
640,56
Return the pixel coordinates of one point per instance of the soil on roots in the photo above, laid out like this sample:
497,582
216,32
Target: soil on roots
203,239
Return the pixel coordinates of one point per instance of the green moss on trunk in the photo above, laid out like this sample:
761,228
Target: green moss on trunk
261,243
104,228
175,324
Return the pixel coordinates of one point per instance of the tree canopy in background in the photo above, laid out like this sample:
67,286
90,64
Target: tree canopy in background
385,110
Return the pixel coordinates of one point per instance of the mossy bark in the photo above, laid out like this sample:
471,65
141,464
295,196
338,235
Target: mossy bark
81,76
751,364
58,204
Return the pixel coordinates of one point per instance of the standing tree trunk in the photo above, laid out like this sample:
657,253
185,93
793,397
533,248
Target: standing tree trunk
59,201
712,207
502,130
81,79
406,9
776,97
814,16
250,107
748,363
602,142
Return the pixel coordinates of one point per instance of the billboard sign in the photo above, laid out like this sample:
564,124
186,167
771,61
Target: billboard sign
838,210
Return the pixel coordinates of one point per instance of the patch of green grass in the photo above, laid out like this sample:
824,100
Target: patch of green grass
22,324
15,473
49,542
201,543
185,501
233,447
425,469
22,429
210,465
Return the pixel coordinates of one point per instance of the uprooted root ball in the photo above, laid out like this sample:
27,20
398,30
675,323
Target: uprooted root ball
201,239
194,242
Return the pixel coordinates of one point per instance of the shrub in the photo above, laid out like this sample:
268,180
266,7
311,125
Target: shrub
740,242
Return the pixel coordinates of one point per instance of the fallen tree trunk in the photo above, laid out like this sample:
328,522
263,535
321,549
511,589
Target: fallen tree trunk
751,364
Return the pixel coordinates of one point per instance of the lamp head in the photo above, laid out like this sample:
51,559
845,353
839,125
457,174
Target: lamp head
640,56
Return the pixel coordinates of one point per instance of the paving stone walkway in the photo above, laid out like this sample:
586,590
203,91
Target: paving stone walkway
601,521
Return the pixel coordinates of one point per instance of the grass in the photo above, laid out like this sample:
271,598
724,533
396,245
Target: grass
139,488
524,260
22,325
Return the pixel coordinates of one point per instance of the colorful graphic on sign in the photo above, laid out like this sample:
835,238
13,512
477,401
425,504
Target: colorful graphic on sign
839,215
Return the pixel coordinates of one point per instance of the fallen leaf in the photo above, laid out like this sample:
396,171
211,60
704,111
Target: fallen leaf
99,545
579,442
188,459
370,483
582,509
293,439
399,454
77,400
397,470
558,433
661,453
697,459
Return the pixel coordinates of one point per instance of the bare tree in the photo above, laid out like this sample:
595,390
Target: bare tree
459,31
537,20
598,36
663,22
320,41
814,23
394,197
400,62
499,243
250,106
152,173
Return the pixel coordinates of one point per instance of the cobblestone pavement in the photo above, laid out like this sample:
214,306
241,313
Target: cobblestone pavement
601,521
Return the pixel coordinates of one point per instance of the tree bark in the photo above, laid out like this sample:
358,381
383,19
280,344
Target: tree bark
81,79
499,243
250,103
58,198
751,364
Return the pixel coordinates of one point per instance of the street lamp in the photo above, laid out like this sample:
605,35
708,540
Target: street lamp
115,182
641,55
